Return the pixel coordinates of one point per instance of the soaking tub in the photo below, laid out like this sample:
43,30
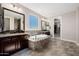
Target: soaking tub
38,42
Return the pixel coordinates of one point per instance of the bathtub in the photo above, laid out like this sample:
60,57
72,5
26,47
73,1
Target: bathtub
38,42
38,37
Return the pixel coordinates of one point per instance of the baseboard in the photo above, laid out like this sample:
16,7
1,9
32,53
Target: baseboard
71,41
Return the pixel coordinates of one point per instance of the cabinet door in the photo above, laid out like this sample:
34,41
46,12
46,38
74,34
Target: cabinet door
7,46
15,40
4,43
18,43
24,42
1,46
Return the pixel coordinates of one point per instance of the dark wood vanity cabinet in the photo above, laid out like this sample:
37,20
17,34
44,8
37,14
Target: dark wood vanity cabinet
12,44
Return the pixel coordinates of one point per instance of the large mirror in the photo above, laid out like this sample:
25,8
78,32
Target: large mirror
13,21
45,26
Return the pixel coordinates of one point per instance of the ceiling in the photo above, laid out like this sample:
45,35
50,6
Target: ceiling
51,9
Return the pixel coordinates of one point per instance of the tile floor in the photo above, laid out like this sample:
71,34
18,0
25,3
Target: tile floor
55,48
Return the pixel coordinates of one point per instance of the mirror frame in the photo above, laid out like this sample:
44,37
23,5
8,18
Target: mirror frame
17,13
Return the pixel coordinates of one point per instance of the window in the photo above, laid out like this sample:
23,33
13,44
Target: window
33,21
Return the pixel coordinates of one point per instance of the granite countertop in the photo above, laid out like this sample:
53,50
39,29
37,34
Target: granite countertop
8,34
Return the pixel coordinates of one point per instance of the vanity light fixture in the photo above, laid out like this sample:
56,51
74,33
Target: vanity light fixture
11,5
15,7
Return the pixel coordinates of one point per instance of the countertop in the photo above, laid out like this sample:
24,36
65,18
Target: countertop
14,34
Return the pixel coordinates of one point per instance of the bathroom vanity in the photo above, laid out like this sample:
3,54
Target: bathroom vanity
11,43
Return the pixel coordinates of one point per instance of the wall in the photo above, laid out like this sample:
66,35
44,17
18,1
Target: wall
25,11
69,26
77,25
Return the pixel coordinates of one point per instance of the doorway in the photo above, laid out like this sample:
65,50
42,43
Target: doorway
57,27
